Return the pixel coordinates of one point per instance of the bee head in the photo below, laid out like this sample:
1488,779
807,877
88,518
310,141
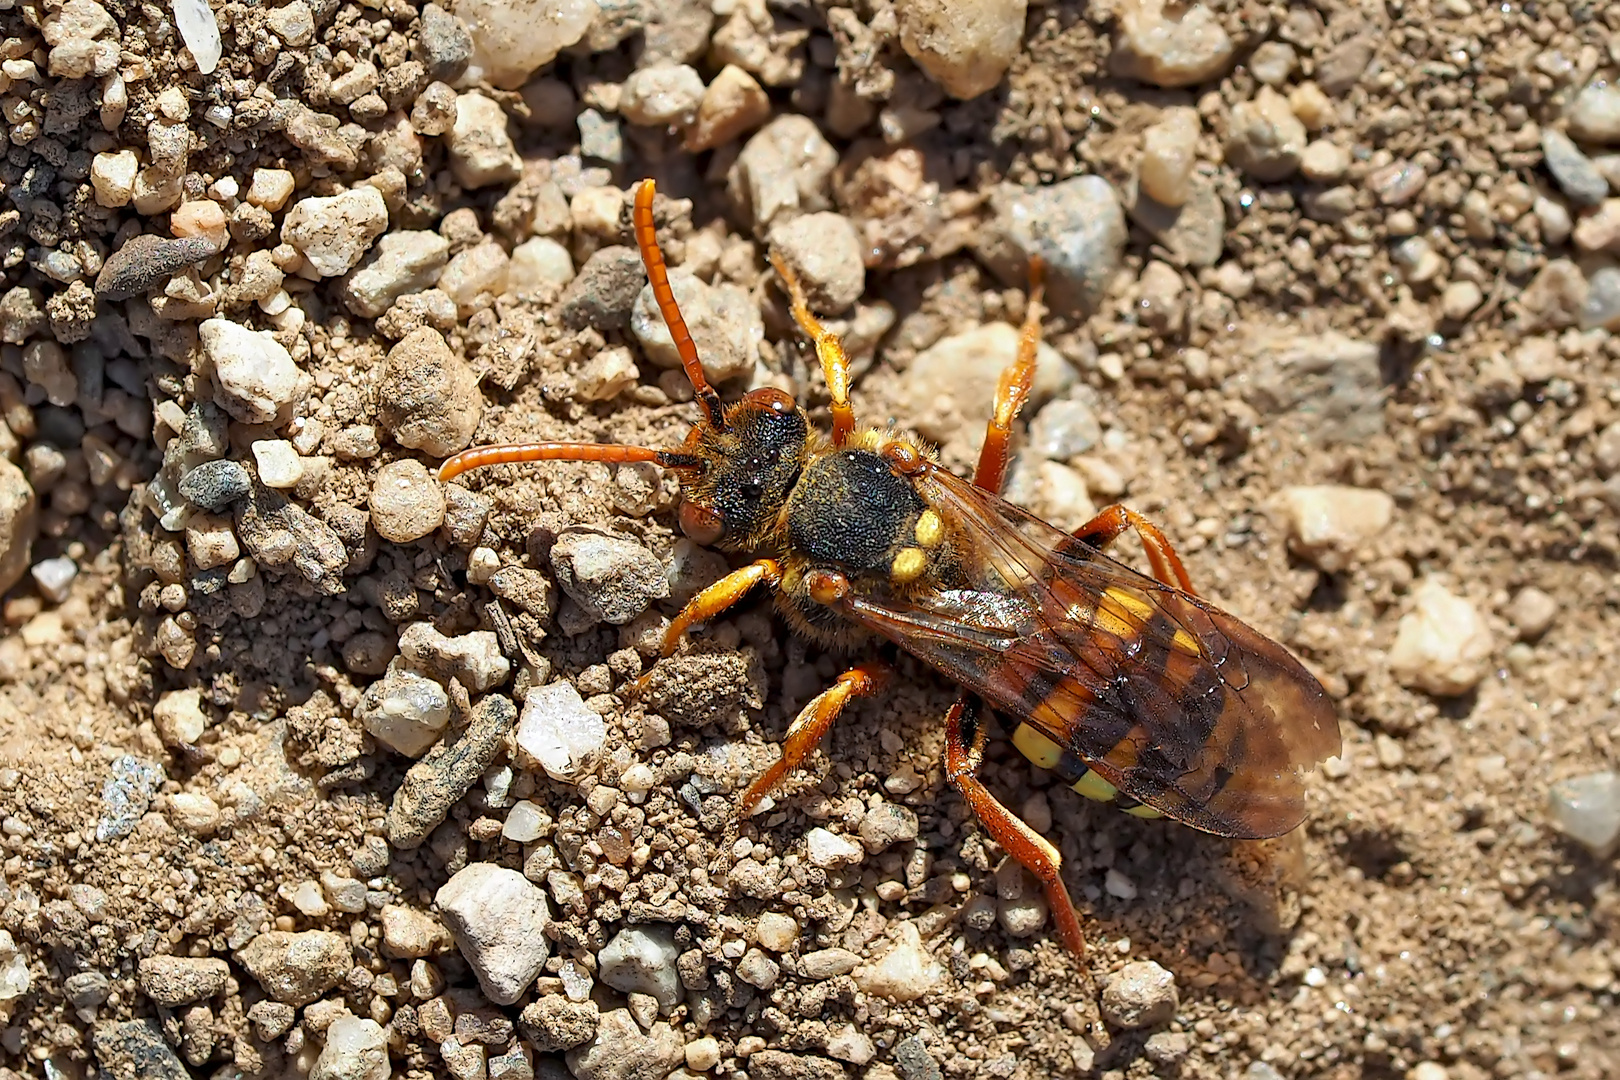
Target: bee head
749,467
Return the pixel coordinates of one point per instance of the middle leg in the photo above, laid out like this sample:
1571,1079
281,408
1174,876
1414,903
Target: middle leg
1112,522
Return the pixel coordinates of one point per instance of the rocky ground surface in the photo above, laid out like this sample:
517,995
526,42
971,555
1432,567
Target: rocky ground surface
311,764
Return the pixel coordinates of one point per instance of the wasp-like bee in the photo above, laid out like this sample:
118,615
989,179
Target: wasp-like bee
1129,687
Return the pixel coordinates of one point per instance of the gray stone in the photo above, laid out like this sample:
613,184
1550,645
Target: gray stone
1577,176
611,578
1587,810
1330,382
215,485
914,1062
599,137
443,44
145,261
126,795
136,1048
437,782
604,291
1077,227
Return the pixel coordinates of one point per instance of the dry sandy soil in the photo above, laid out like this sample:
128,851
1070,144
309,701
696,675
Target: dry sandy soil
1408,315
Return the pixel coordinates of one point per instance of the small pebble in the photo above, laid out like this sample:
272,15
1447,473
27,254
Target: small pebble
1328,523
406,502
1176,47
498,918
758,970
296,969
215,485
1140,995
255,374
334,232
54,577
279,465
623,1050
558,733
702,1054
179,717
723,319
145,261
1324,162
539,261
828,850
611,578
1577,176
405,711
1532,613
962,371
1595,114
1460,299
662,94
823,251
402,263
786,168
641,959
356,1049
408,933
1601,306
776,931
905,973
1076,226
1264,138
525,823
1442,646
1169,152
173,981
733,104
1587,810
511,39
429,396
965,46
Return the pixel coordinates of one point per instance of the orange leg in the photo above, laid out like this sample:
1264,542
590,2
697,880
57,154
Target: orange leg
652,257
862,680
510,453
1012,391
1113,521
964,752
717,598
829,350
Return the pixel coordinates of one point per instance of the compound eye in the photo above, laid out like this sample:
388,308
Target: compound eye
701,525
778,401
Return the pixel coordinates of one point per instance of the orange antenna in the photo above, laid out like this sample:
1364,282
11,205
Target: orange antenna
514,453
658,275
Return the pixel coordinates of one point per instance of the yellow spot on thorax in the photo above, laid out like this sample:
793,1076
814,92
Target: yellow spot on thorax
909,565
930,529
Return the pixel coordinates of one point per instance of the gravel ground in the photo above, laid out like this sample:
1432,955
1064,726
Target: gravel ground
310,764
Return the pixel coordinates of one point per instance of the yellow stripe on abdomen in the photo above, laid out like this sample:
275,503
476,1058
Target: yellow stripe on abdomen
1095,787
1034,744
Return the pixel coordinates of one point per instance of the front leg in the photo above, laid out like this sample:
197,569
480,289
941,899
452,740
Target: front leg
716,599
813,722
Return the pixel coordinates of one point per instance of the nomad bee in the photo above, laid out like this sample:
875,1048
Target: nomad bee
1129,687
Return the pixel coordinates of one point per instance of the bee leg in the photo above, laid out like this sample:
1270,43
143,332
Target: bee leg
862,680
829,350
964,752
1113,521
717,598
709,603
1011,392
